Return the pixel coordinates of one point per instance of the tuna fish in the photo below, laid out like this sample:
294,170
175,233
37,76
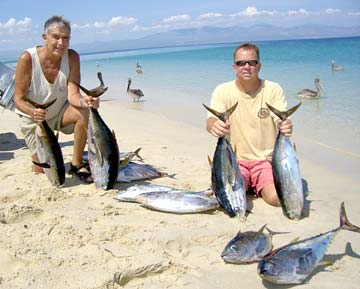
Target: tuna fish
48,150
102,146
293,263
132,171
131,193
286,171
179,202
248,247
227,181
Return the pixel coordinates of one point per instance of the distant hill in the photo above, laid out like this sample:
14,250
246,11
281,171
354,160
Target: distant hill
208,35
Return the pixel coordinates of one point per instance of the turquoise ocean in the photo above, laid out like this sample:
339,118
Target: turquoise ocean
177,80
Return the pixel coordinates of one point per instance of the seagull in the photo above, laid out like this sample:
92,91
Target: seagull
134,93
138,68
308,93
335,67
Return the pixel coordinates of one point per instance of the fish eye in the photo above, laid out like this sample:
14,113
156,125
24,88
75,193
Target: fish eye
233,247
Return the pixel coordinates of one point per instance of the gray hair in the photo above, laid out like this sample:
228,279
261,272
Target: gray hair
58,21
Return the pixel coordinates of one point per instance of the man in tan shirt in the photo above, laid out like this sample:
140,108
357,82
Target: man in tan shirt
253,128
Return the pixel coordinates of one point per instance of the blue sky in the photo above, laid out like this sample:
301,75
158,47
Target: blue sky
21,21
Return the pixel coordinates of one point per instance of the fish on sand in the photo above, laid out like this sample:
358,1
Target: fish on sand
179,202
293,263
248,247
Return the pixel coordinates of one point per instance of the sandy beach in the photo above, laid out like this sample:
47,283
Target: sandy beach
80,237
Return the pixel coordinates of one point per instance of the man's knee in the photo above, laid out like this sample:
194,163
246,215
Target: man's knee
270,196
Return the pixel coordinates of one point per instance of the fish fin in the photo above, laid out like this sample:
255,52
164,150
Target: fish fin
136,152
273,252
344,221
326,263
283,114
43,106
258,233
125,161
210,161
87,92
275,233
222,115
294,240
42,165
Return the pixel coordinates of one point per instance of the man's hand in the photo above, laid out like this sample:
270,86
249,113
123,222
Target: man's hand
285,127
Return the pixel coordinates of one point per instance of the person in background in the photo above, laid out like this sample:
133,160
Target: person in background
48,72
251,128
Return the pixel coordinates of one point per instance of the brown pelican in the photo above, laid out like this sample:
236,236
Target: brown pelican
335,67
97,91
134,93
308,93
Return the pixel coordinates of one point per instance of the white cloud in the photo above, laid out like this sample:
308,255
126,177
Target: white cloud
210,16
300,11
250,11
177,18
113,22
332,11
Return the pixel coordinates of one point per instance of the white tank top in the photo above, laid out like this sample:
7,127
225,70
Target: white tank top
41,91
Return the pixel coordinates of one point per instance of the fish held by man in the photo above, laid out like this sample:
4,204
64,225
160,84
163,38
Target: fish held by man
293,263
248,247
102,146
48,150
227,181
286,171
178,202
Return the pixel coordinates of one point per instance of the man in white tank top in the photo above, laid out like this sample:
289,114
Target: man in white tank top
49,72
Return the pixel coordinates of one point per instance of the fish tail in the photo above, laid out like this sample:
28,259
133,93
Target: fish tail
43,106
271,232
344,221
283,114
222,115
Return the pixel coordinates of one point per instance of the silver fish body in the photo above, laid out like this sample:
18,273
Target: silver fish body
287,178
49,154
103,152
227,181
179,202
133,172
131,193
248,247
293,263
286,171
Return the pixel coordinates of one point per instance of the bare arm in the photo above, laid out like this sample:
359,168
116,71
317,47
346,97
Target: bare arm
74,96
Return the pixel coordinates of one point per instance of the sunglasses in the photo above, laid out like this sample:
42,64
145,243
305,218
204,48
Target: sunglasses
243,62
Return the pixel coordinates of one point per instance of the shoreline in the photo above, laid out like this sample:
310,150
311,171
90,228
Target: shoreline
77,237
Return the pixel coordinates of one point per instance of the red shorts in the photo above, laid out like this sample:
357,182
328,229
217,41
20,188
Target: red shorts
257,174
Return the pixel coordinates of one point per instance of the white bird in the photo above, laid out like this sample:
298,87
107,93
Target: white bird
138,68
308,93
135,94
335,67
